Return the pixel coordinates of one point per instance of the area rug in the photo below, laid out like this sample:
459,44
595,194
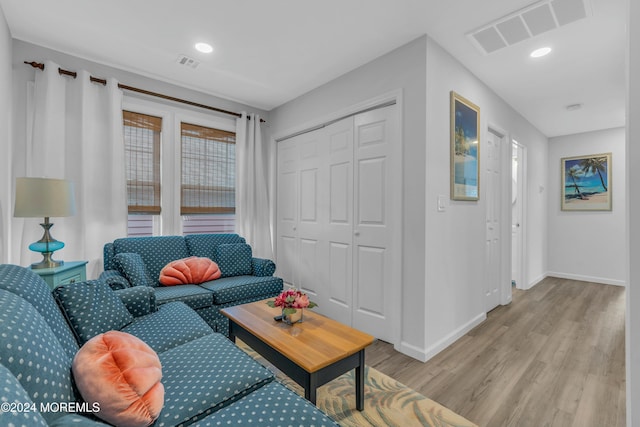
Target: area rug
388,403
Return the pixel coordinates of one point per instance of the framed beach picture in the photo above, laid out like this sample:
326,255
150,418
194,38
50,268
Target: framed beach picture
465,149
586,183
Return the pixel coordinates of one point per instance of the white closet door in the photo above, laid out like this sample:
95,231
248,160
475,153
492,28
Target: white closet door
287,212
339,199
377,200
339,232
312,213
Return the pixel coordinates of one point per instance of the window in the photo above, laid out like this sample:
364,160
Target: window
142,134
180,167
208,169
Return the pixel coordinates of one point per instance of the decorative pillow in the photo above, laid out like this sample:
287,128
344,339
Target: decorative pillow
192,270
92,308
131,266
122,374
234,259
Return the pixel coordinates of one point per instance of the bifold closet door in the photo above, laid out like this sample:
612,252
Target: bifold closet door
377,203
338,198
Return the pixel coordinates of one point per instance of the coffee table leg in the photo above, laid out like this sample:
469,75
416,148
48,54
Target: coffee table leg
310,388
360,382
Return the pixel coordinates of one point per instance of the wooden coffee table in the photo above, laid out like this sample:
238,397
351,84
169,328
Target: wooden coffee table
311,353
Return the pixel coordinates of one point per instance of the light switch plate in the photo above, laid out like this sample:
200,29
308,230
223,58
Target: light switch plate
442,203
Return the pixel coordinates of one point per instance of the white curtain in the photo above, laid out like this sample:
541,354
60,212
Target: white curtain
252,186
77,135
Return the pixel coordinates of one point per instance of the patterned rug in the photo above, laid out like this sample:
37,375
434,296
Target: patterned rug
387,402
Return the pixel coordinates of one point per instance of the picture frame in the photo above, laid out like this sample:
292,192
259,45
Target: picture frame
586,183
465,148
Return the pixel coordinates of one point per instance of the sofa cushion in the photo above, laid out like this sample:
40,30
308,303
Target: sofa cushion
172,325
156,251
131,266
28,285
193,270
273,405
192,295
33,354
92,308
122,374
229,289
234,259
14,394
204,375
204,245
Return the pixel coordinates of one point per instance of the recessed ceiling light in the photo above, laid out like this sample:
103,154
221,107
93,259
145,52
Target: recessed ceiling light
204,47
540,52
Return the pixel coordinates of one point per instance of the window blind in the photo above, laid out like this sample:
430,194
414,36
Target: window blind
208,170
142,136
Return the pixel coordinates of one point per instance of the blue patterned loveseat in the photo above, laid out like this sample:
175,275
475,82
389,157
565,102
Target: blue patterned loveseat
208,381
137,261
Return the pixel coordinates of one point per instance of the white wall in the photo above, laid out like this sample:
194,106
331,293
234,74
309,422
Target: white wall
587,245
633,213
455,239
404,69
6,203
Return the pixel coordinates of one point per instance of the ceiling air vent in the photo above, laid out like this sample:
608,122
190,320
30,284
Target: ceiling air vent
527,23
186,61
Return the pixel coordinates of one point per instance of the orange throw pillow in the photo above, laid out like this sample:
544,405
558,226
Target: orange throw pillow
192,270
122,374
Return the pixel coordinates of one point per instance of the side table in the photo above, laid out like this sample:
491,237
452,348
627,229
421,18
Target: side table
69,272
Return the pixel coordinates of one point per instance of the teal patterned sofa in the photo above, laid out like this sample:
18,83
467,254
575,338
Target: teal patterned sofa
137,261
208,381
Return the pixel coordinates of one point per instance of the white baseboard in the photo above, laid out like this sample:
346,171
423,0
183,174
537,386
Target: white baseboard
579,277
424,354
535,281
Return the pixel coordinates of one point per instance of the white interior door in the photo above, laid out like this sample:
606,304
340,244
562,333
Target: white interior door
339,232
375,224
517,218
493,180
287,212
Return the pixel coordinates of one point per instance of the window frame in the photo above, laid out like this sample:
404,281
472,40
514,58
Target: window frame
170,221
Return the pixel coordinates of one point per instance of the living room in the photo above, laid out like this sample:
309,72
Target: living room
440,301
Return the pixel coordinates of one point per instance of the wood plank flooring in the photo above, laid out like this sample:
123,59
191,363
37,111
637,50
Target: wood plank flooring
554,357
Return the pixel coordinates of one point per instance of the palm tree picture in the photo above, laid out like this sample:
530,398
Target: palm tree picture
586,183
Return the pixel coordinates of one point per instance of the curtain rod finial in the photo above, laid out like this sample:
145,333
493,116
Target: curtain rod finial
35,64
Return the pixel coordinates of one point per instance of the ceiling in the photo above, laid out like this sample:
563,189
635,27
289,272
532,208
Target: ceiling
269,52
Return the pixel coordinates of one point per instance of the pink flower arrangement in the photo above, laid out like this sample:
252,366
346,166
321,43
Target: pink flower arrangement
290,300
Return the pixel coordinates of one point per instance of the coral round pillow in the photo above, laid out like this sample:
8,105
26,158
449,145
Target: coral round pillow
192,270
122,374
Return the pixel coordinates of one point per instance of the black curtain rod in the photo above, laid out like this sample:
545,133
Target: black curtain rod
73,74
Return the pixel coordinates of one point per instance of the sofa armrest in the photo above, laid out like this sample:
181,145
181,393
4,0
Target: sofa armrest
263,267
139,300
114,279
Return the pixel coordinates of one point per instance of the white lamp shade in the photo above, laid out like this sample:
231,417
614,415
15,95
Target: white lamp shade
44,197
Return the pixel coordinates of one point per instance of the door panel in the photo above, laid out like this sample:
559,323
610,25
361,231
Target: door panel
374,269
493,180
339,227
371,281
372,191
287,214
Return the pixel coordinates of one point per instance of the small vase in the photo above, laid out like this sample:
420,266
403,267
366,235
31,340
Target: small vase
296,317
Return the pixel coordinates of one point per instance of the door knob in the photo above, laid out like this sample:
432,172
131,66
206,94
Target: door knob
356,233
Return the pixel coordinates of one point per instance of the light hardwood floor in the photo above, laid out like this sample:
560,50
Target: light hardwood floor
554,357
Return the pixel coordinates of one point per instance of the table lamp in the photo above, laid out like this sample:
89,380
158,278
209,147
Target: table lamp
44,197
